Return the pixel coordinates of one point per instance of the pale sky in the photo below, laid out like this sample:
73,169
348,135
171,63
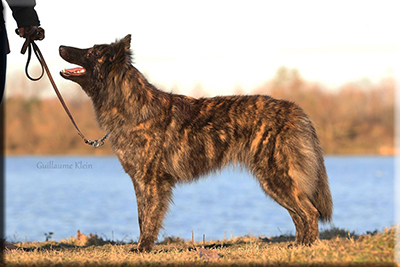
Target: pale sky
223,45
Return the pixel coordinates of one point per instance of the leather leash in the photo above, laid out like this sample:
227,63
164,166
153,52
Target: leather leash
31,45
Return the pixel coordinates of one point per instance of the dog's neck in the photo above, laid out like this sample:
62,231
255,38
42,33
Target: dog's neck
128,98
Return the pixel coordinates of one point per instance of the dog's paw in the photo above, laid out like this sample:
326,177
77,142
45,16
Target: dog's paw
135,250
139,250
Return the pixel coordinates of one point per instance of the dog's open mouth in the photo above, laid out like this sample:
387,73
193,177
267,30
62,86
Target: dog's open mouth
78,71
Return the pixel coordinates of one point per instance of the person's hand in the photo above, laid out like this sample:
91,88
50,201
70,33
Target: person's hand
34,32
31,33
26,31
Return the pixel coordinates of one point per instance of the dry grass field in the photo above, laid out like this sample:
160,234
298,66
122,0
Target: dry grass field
335,248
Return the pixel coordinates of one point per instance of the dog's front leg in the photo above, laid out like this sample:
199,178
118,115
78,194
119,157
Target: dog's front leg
152,199
139,200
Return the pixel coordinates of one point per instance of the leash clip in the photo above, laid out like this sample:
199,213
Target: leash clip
96,143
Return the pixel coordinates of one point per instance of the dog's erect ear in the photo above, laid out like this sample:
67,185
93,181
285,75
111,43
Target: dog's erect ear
122,52
127,42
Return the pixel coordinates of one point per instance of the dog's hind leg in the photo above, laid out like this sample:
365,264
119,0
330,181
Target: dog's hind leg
304,210
282,188
310,220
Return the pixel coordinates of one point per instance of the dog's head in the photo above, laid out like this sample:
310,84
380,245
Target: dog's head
96,63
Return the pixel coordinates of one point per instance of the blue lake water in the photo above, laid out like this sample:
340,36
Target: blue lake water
94,195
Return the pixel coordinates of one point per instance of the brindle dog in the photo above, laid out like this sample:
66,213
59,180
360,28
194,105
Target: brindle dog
163,139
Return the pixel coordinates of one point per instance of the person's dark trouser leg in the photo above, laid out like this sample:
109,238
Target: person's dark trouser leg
3,60
3,63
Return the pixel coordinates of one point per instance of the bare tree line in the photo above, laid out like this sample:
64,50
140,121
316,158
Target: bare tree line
357,118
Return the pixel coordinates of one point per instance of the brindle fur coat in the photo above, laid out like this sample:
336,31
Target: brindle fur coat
162,139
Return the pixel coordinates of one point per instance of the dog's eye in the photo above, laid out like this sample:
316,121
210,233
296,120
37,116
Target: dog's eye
92,54
89,54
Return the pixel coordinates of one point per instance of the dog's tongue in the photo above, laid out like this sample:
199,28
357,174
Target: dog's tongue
75,71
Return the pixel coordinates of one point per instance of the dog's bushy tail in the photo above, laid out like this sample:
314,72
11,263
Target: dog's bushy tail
311,172
322,198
